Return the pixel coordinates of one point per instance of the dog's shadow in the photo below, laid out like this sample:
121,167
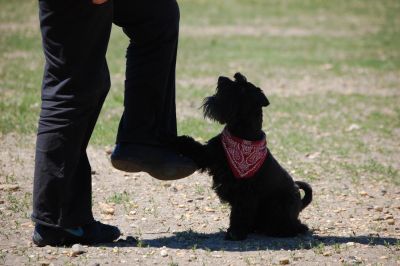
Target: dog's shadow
215,242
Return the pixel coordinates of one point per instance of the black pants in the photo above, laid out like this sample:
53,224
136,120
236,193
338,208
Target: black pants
75,83
152,26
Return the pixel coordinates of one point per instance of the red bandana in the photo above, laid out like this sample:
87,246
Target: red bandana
245,157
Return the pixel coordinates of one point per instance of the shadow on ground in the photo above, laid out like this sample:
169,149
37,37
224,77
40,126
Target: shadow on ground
215,242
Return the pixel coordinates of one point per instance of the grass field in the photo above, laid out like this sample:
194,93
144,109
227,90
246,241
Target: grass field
331,70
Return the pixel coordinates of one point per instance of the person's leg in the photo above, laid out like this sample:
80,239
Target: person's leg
149,114
75,36
148,123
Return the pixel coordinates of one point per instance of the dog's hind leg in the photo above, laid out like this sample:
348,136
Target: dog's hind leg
279,218
293,228
286,229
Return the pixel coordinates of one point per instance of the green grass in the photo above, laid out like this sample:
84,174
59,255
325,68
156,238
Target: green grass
119,198
288,41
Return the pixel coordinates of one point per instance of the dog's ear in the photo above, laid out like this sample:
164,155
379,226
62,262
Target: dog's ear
224,81
263,100
240,78
212,109
222,107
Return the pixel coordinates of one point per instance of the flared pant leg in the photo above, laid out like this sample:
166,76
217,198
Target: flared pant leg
75,37
149,115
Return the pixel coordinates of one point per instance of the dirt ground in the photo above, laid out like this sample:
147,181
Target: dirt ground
183,223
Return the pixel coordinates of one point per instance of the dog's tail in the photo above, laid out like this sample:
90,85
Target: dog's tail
308,193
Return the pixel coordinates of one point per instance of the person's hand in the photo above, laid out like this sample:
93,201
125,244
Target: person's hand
99,2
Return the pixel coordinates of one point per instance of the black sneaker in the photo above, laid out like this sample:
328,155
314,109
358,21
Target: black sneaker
159,162
93,233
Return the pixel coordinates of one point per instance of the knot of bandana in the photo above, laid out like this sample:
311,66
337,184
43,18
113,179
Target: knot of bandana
245,157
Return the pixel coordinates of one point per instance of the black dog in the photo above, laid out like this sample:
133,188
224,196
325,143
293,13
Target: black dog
263,196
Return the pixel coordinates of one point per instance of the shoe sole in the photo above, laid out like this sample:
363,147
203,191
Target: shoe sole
126,166
160,173
62,239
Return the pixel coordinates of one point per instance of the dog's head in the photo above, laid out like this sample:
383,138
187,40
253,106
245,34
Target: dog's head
235,101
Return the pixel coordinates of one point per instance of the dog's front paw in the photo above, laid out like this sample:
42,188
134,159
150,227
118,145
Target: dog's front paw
302,229
235,235
182,143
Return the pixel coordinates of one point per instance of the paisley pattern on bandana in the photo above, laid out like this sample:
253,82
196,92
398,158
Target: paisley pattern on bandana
245,157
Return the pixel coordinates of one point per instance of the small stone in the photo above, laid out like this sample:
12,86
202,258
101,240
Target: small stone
350,244
77,250
164,253
106,208
180,253
44,263
353,127
378,208
298,256
390,222
208,209
109,151
327,253
363,193
377,218
313,155
107,217
383,257
388,217
284,261
9,187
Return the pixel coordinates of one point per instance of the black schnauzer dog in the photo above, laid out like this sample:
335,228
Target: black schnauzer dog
263,196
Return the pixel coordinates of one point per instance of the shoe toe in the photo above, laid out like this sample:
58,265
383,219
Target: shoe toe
98,232
159,162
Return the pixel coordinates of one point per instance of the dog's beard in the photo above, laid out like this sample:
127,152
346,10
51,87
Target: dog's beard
218,109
